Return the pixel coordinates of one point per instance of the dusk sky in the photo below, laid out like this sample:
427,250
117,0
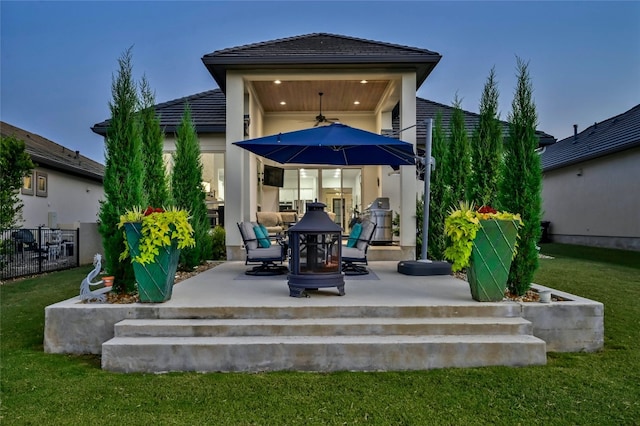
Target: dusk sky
58,58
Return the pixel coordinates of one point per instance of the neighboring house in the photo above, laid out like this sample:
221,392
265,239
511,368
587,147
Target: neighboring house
274,86
591,184
65,187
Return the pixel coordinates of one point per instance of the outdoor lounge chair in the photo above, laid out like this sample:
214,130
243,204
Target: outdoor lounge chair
354,253
265,256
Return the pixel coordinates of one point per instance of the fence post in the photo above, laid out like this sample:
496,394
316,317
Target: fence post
77,247
39,249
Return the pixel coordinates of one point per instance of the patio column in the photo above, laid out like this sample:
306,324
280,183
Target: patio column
237,167
408,173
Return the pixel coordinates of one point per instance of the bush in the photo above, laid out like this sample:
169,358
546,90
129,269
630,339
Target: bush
218,243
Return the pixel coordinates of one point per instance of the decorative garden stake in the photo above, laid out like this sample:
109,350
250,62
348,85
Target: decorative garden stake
154,239
86,295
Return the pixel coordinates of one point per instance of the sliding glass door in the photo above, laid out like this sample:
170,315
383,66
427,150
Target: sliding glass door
339,188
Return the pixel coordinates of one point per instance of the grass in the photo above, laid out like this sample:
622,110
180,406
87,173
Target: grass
577,388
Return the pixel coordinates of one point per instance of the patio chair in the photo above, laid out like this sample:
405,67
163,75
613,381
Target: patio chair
25,241
354,253
261,249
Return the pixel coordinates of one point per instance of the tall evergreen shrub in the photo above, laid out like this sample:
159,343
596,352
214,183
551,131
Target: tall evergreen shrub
123,172
186,185
521,181
155,184
457,158
437,203
15,164
486,148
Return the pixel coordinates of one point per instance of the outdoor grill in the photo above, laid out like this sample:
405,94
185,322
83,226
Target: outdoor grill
315,253
379,213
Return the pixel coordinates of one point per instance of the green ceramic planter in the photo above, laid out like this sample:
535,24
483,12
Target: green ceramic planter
490,261
155,280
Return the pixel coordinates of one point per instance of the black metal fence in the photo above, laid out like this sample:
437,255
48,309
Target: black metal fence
33,251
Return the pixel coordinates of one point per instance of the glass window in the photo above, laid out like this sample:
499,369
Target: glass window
27,184
212,174
42,184
300,187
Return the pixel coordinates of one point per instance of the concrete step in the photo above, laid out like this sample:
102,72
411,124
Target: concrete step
319,353
321,327
435,310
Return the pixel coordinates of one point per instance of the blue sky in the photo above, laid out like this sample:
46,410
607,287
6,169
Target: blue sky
58,58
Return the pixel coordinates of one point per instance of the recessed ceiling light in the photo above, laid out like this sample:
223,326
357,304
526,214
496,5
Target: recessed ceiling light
363,81
277,82
283,103
356,102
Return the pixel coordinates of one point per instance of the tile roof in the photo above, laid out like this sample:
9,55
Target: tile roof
320,49
612,135
428,109
208,110
209,114
49,154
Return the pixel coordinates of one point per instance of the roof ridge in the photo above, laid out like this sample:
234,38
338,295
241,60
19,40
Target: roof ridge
596,126
186,98
303,36
402,46
35,138
260,44
450,107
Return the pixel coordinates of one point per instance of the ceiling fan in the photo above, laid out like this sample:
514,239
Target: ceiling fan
321,118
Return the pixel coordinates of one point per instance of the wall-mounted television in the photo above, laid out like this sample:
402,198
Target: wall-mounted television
273,176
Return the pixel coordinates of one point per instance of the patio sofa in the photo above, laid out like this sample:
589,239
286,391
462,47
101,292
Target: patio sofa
277,222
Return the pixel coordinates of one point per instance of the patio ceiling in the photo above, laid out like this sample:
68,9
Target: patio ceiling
338,95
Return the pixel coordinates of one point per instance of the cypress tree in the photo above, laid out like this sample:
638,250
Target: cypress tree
186,184
486,148
123,173
457,158
155,176
521,181
437,203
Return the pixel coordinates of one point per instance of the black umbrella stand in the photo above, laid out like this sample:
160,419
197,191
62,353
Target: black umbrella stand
424,266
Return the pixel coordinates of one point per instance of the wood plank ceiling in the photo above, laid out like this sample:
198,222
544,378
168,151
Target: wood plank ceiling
338,95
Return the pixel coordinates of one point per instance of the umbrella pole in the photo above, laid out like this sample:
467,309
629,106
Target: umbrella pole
427,190
424,266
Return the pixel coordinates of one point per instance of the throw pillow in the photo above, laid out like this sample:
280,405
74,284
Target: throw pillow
264,230
263,240
354,235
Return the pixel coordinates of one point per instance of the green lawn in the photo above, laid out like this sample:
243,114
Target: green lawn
578,388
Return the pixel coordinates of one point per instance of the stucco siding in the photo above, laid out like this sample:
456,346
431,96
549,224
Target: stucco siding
72,199
595,202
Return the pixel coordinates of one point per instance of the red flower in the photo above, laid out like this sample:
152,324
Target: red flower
487,209
151,210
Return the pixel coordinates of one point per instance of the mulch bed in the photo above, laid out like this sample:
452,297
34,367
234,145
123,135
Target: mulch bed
180,276
529,296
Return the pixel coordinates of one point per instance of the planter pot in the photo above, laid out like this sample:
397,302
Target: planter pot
490,261
155,279
107,281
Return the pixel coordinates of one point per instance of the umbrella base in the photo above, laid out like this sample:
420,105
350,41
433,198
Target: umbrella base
422,268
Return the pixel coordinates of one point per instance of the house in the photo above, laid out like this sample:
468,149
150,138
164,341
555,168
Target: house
591,184
295,83
65,187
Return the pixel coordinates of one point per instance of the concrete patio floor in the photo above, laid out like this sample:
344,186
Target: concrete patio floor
227,286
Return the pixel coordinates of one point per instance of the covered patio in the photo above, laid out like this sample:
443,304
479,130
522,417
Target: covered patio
224,320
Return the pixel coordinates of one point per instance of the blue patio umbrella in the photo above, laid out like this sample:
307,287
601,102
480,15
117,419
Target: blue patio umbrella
336,144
